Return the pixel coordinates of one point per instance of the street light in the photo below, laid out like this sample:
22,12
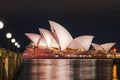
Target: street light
8,35
1,25
18,46
16,43
13,40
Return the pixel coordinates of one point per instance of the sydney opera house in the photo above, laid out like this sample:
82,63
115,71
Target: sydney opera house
58,43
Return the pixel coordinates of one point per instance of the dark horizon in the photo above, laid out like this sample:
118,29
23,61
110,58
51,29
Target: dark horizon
98,18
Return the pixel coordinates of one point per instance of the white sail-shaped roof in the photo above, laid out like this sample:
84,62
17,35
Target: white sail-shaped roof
97,47
75,45
47,35
107,46
104,47
61,35
33,37
54,44
51,42
85,41
42,41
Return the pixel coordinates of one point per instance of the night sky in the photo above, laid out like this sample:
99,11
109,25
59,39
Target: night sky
100,18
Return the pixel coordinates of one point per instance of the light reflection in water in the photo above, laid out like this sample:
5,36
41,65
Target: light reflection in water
68,69
115,72
52,69
81,70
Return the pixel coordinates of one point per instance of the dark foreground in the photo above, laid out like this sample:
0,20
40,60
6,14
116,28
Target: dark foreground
69,69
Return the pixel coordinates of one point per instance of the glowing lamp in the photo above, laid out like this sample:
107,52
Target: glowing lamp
115,50
1,25
8,35
82,50
16,43
13,40
18,46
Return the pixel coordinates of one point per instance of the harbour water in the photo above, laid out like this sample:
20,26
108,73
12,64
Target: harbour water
69,69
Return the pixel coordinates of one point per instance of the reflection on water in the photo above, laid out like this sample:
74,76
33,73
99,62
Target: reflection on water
69,69
54,70
82,69
114,72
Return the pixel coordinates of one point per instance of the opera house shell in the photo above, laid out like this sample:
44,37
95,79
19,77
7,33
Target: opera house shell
59,39
103,47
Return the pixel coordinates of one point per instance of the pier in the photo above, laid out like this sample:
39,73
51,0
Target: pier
10,64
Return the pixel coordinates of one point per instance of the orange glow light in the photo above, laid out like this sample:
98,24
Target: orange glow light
114,50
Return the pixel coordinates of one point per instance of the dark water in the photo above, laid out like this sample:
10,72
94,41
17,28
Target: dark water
69,69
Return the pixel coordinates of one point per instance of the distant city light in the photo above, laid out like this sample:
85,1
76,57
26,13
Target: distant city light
1,25
13,40
16,43
8,35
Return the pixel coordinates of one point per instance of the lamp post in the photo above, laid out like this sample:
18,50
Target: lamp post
18,46
16,43
13,41
1,25
8,35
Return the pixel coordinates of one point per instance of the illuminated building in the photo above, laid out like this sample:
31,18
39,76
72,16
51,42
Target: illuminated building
33,37
61,35
103,47
59,43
